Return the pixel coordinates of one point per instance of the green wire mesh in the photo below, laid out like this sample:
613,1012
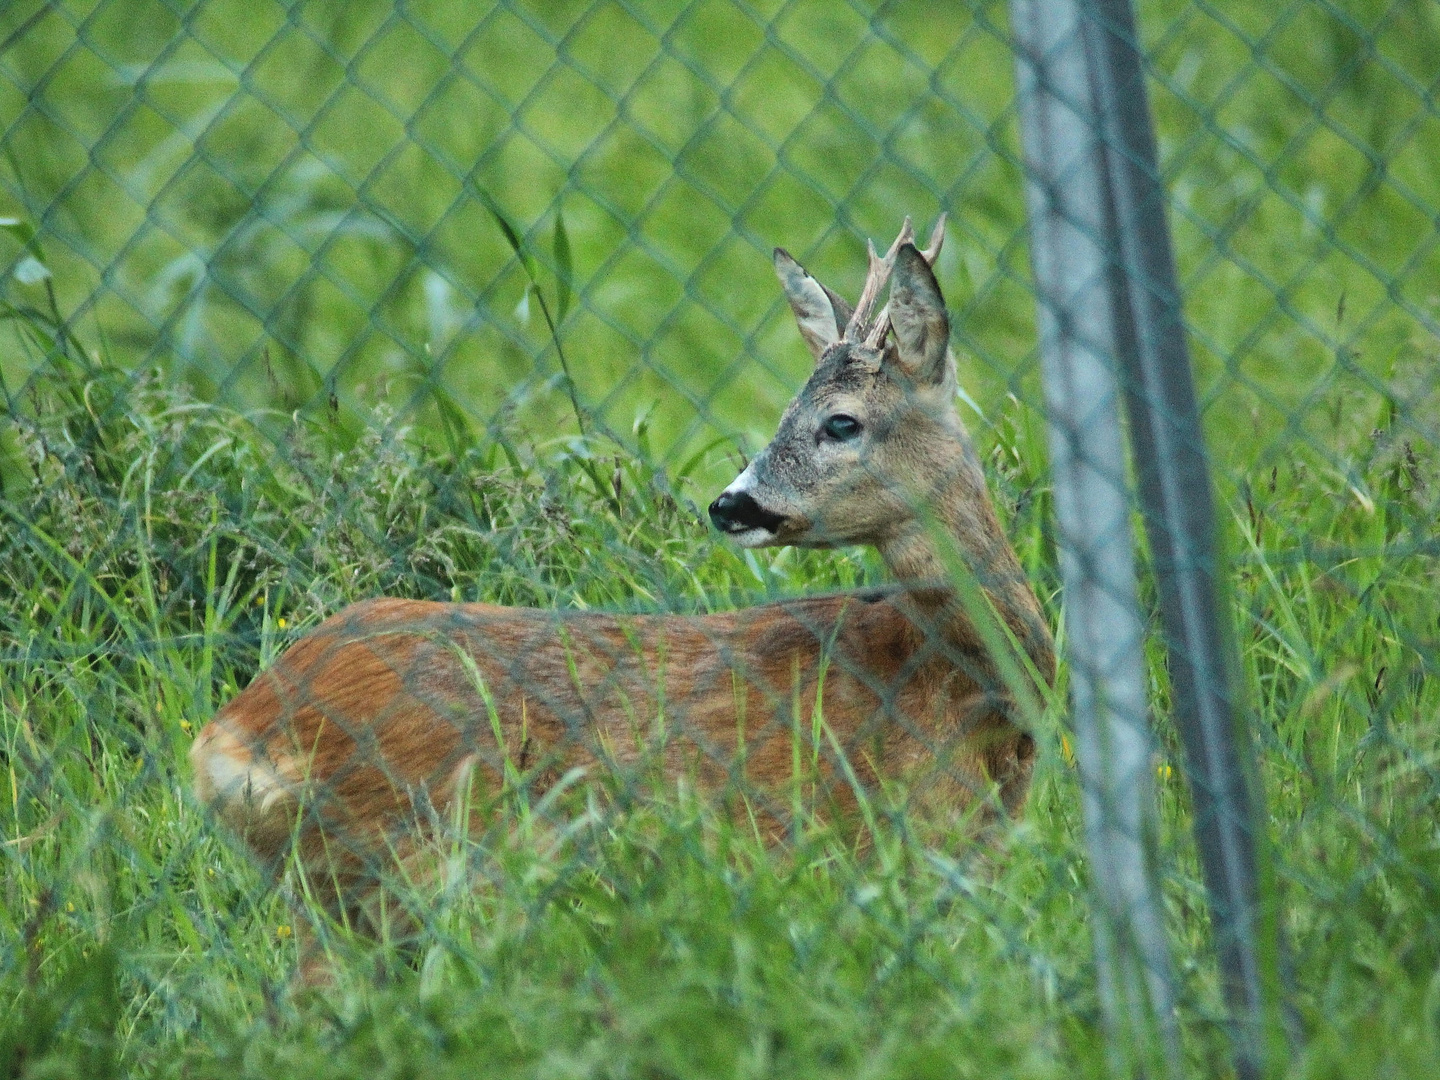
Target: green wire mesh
306,302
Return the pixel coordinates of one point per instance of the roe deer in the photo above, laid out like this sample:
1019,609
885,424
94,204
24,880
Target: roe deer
377,721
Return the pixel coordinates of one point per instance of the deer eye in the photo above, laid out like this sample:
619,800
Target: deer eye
841,428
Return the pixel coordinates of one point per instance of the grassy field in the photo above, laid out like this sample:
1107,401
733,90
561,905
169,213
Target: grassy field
306,366
292,204
162,550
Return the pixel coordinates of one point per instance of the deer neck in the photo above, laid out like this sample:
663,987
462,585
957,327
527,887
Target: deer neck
960,524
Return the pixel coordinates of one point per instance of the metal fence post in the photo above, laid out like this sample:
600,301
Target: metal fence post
1081,327
1178,508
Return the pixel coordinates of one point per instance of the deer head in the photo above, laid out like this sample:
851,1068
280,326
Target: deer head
874,436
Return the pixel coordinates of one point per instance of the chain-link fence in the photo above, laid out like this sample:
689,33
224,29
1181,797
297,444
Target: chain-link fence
307,304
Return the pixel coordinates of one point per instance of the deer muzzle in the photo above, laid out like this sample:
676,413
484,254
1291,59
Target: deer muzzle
738,512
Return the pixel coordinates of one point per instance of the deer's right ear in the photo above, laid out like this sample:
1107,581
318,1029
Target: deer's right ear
820,314
917,316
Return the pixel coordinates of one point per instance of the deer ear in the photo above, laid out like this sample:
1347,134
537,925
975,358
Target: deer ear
820,314
917,316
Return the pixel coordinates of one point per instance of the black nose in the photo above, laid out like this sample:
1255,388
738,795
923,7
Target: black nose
736,511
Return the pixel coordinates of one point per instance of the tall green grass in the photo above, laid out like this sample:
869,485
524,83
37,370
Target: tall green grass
292,206
162,548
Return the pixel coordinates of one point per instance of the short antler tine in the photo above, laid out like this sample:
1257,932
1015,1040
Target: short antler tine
937,240
907,236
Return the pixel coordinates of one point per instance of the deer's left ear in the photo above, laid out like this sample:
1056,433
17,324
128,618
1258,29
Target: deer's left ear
917,315
821,314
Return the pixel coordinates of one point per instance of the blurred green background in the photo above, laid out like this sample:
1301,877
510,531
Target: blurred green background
295,204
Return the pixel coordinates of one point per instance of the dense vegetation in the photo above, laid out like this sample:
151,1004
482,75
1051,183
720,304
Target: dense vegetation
162,547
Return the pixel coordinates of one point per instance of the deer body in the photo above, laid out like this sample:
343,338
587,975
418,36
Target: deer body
366,731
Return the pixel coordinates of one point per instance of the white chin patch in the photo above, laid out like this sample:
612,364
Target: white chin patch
752,538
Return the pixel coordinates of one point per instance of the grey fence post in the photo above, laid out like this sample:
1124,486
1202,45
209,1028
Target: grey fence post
1178,507
1081,323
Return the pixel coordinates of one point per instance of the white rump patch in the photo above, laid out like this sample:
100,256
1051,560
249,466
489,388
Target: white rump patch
228,776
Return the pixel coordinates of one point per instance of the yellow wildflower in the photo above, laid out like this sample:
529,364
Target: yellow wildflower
1066,751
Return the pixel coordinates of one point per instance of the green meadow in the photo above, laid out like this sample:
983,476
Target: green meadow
309,303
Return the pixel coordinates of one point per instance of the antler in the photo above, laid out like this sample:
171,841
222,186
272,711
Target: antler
875,278
876,337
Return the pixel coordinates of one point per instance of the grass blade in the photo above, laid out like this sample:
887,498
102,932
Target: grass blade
564,268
